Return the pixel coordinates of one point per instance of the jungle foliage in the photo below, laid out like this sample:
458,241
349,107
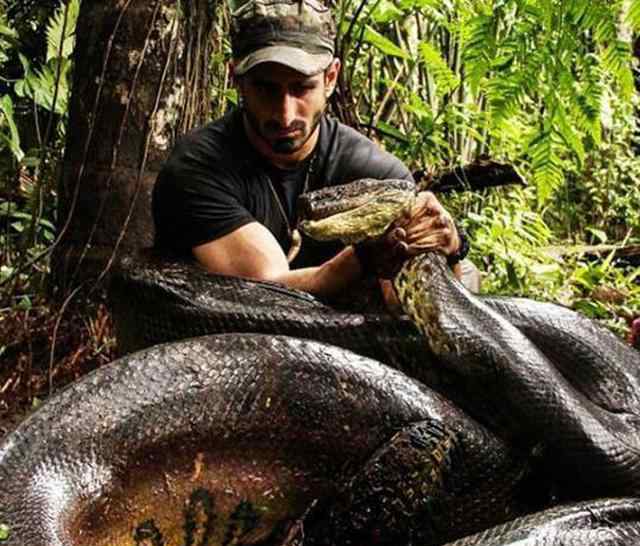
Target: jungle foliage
548,85
34,87
38,349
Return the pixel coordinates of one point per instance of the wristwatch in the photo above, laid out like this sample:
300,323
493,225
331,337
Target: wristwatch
463,249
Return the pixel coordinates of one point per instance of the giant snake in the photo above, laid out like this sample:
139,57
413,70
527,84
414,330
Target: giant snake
255,438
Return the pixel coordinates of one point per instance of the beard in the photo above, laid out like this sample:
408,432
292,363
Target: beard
283,145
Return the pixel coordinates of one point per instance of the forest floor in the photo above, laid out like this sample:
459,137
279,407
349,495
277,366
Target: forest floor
30,370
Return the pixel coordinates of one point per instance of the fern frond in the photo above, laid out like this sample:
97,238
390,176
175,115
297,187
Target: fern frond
546,165
505,93
59,45
571,137
444,78
587,15
580,12
587,103
479,48
510,88
616,59
633,15
606,30
616,56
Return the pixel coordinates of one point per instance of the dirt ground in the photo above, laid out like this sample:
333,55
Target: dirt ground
30,370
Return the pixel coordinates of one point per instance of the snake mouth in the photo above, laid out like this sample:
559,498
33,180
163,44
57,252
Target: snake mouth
355,211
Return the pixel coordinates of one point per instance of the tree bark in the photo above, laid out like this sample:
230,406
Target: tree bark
140,80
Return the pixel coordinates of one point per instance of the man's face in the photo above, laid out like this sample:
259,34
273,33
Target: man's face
283,106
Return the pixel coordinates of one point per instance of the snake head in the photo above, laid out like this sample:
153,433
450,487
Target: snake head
353,212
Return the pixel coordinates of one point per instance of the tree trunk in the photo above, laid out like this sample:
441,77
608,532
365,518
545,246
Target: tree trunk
140,79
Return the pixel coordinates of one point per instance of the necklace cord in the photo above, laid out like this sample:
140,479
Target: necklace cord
295,239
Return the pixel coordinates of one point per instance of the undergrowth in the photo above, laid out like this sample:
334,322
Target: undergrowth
34,364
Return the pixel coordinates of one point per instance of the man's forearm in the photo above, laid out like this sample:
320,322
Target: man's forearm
327,279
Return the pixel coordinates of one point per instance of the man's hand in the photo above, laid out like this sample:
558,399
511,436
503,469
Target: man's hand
429,227
426,227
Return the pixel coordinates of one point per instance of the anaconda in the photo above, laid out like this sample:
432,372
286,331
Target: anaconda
389,492
608,522
575,384
230,439
553,394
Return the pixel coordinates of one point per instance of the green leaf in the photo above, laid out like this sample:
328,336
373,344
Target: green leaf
479,49
388,129
46,224
617,60
40,84
599,235
419,4
566,130
13,141
633,15
386,12
5,272
25,303
19,215
418,108
606,265
383,44
547,169
606,29
590,308
5,532
232,96
588,103
512,275
26,64
444,78
7,32
59,44
506,93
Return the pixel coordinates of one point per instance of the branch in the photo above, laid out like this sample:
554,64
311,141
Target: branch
623,255
479,175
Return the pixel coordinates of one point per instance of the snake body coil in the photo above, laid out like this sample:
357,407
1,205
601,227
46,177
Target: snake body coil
249,437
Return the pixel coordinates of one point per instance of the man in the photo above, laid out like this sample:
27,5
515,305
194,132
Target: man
227,194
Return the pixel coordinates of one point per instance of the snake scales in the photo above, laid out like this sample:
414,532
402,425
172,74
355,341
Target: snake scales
256,439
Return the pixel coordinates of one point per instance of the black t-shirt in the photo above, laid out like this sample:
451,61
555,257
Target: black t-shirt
215,182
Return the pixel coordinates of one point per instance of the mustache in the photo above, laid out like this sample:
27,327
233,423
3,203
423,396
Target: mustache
275,127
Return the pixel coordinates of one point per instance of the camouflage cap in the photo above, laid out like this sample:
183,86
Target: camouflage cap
297,33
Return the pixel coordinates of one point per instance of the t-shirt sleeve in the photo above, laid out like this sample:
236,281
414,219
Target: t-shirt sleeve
353,156
368,160
195,203
388,166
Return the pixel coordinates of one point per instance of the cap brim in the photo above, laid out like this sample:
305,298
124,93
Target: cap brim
293,57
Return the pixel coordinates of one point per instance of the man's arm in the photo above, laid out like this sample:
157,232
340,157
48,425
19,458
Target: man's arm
252,251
